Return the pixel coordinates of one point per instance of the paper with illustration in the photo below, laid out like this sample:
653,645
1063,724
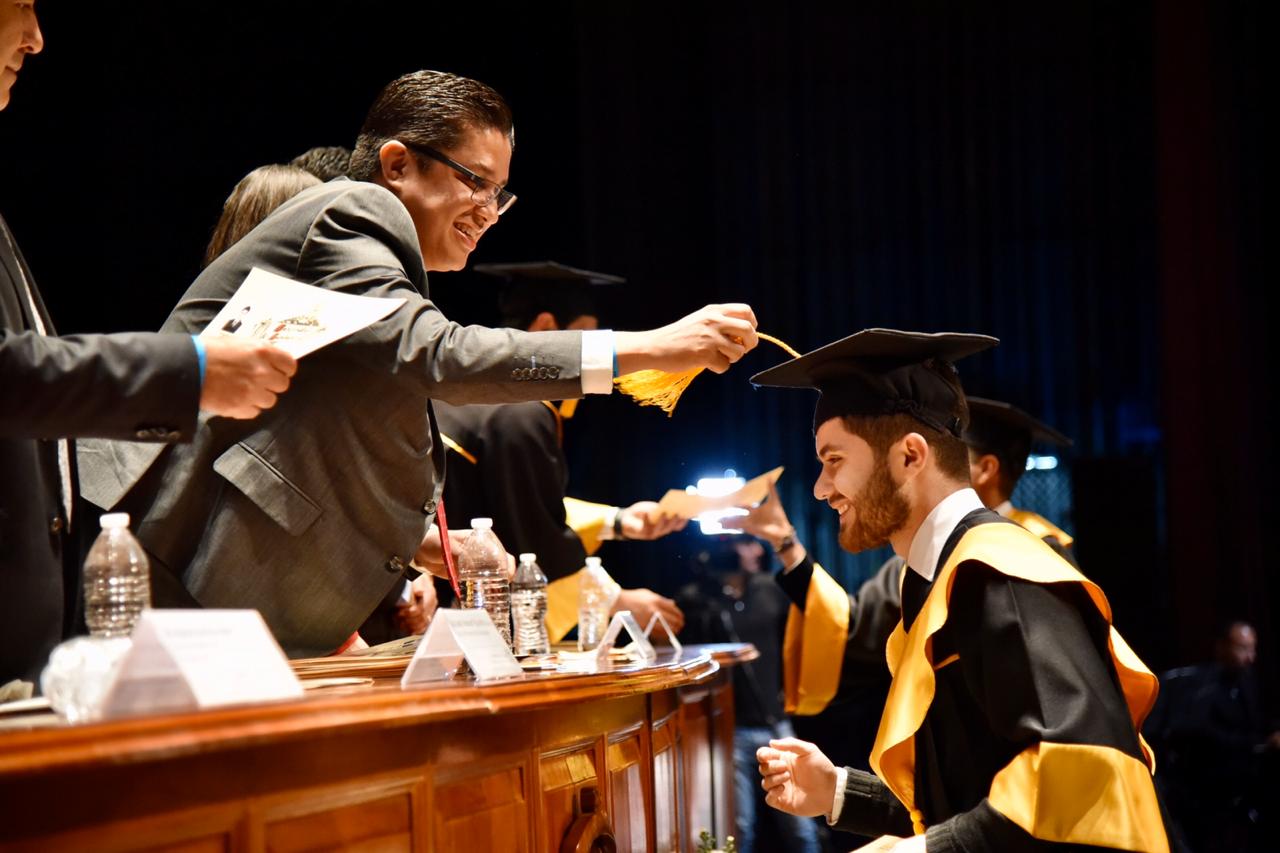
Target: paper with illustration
299,318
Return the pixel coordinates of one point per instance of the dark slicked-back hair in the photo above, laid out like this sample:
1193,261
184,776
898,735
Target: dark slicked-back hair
431,108
326,162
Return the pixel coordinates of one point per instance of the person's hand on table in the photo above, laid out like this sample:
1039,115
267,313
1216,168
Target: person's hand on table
413,616
430,556
643,603
642,520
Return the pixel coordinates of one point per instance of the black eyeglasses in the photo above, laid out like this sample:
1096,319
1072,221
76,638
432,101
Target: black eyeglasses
484,192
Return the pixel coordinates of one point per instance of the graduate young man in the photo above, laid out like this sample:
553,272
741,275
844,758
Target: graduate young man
1012,720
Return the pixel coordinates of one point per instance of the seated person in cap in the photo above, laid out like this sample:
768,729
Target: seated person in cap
1012,719
313,515
507,462
999,438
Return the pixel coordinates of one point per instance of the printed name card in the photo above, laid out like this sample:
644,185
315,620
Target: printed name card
457,634
182,660
641,649
656,619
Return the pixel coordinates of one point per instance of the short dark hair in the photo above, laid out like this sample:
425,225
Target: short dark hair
1013,463
326,162
252,200
432,108
952,454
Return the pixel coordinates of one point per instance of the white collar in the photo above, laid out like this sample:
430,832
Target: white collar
1005,509
927,544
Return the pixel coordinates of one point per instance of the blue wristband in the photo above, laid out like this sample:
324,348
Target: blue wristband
615,362
201,357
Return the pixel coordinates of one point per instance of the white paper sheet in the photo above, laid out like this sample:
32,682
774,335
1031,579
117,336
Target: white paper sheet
296,317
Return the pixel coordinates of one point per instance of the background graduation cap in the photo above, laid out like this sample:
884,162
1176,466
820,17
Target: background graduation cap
530,288
1007,432
883,372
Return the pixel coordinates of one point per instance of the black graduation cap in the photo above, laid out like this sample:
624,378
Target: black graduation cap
882,372
529,288
996,426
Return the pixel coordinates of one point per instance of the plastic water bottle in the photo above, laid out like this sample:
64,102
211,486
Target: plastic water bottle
482,570
594,588
529,608
117,585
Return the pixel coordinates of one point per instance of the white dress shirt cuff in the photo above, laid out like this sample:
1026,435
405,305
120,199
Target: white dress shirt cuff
837,804
598,354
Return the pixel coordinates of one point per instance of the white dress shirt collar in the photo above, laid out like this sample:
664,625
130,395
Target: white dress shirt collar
1005,508
927,544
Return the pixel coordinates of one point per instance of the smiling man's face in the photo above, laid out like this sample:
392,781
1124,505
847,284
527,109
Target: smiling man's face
19,36
448,222
856,483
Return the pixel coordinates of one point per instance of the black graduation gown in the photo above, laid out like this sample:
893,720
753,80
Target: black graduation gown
1019,664
507,463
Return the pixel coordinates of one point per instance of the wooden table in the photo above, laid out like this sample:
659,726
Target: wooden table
536,763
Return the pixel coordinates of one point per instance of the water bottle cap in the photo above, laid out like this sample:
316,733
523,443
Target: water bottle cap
482,524
528,558
114,519
593,562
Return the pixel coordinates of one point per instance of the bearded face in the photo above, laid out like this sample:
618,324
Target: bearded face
879,510
857,484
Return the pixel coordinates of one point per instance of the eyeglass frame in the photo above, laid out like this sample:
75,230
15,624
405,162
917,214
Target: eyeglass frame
502,195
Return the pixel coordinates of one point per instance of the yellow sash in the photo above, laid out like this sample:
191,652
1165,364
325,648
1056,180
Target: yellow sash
813,645
1056,792
1040,526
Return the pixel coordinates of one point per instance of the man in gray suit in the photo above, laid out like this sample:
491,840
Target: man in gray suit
313,513
136,386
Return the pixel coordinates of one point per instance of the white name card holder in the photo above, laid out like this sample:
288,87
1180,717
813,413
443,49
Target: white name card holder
656,619
640,648
183,660
457,634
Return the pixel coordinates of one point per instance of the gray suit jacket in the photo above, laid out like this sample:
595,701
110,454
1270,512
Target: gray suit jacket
143,386
311,513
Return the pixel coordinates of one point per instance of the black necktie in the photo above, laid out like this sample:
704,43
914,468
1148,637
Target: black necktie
915,590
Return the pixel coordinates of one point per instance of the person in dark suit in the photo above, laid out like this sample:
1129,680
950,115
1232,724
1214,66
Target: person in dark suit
312,515
145,387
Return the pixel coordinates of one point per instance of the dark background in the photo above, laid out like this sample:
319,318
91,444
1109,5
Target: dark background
1083,180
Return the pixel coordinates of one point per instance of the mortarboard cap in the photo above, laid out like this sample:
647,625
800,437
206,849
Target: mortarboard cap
998,426
542,272
882,372
533,287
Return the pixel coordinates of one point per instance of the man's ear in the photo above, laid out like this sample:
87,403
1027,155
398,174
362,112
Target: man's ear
395,163
908,456
544,322
985,470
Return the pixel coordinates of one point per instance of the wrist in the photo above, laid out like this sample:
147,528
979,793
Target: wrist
784,542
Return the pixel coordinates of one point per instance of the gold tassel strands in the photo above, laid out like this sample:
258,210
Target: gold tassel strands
662,389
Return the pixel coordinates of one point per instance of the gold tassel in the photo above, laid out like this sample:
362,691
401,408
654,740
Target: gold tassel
662,389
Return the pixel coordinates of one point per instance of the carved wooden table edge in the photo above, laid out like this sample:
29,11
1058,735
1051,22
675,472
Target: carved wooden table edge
382,705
